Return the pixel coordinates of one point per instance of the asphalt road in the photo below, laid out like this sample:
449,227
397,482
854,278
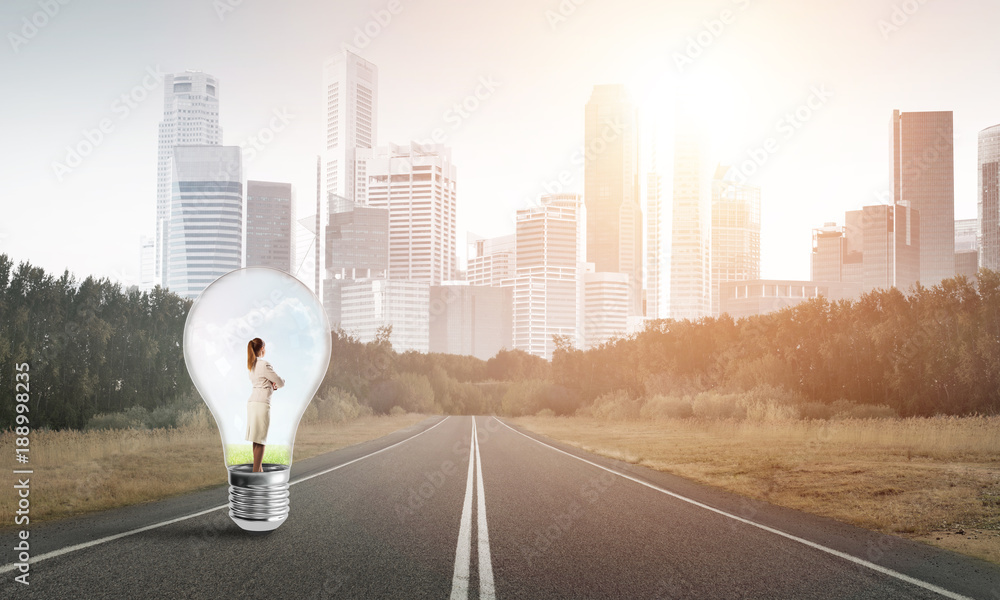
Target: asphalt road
448,510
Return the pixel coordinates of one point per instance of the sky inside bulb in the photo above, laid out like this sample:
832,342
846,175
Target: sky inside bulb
278,308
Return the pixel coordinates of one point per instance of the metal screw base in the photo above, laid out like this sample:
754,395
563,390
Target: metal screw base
258,501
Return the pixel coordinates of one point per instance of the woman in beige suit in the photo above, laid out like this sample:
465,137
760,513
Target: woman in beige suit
264,381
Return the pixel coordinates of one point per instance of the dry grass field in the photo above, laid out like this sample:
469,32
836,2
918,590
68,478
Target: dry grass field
82,471
935,480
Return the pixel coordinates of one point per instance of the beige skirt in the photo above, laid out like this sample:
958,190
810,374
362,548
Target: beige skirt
258,420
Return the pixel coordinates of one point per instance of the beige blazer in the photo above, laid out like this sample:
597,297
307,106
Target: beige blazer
261,378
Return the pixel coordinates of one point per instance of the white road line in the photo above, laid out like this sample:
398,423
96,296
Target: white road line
463,551
858,561
487,591
37,559
68,549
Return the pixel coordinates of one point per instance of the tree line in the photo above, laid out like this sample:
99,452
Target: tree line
92,346
932,351
96,348
102,353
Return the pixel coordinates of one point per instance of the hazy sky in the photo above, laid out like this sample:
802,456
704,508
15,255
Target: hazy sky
68,75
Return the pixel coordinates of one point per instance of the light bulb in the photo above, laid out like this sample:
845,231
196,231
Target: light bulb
257,302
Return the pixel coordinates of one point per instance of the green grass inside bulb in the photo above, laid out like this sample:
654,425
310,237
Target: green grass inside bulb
241,454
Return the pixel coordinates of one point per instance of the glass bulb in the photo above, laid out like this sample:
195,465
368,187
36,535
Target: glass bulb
257,302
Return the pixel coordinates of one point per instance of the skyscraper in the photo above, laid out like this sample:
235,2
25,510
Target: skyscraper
735,232
611,188
988,190
417,184
605,312
838,252
147,262
470,320
351,88
891,255
966,231
656,260
357,248
369,304
357,242
923,178
827,259
270,226
548,285
190,117
205,238
967,247
878,248
493,261
690,245
852,270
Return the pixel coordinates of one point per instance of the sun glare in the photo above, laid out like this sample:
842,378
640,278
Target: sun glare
704,102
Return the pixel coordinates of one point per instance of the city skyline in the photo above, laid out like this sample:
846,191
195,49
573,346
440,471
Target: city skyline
715,220
288,111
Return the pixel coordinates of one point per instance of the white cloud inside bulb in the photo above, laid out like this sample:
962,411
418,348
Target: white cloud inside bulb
239,330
